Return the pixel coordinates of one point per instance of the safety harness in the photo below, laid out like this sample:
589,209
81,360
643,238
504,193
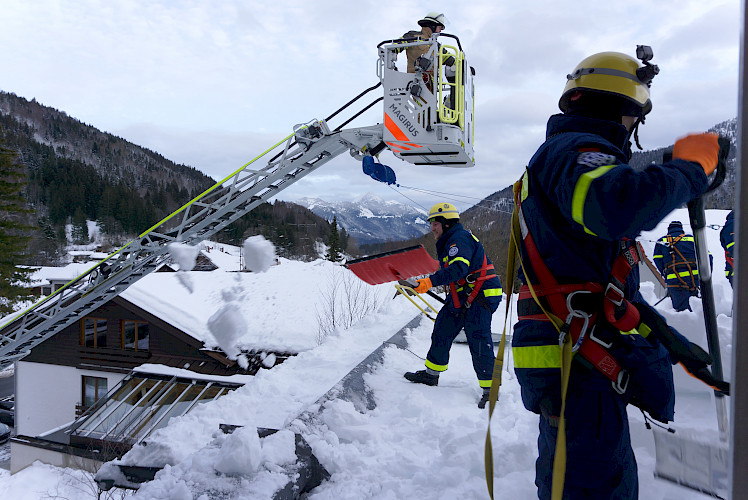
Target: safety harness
673,272
562,300
474,280
578,305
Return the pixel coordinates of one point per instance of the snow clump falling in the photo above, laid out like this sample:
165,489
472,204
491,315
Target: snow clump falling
227,326
259,254
184,255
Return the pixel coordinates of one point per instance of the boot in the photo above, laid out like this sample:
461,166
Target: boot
484,399
422,377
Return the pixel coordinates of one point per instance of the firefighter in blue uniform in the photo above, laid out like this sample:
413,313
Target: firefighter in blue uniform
582,204
675,258
474,294
727,239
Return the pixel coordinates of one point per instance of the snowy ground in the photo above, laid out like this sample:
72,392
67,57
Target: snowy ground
418,442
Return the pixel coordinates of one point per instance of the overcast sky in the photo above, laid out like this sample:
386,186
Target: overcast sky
213,84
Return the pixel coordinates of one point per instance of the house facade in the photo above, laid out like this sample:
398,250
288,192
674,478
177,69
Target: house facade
62,378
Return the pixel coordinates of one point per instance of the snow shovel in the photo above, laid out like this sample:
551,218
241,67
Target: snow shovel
698,464
395,265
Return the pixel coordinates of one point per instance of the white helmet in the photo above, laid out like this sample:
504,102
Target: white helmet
433,18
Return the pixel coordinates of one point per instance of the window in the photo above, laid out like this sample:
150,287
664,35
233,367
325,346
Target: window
93,332
143,403
135,335
94,388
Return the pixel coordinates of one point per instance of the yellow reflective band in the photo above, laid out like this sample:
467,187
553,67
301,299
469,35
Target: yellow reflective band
730,244
438,368
580,194
637,331
683,274
644,330
485,383
658,256
493,292
460,259
687,238
537,356
525,192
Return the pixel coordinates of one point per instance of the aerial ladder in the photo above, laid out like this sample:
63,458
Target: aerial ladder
428,120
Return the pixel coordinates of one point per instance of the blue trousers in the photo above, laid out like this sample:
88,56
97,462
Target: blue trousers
477,323
599,460
680,299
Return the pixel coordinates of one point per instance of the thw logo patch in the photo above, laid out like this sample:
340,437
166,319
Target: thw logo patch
596,159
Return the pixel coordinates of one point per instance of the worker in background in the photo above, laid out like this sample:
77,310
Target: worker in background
433,22
675,258
727,239
474,294
579,206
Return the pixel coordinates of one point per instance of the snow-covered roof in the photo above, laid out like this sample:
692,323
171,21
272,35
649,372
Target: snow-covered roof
273,310
46,274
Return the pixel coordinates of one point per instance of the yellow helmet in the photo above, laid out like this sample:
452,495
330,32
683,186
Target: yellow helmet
445,210
615,74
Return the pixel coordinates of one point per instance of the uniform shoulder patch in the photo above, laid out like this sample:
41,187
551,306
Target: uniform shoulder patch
453,251
595,159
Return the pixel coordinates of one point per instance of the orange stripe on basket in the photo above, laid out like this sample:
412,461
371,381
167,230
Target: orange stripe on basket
394,129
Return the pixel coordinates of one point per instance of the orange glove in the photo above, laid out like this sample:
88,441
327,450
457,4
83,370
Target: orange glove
424,285
700,148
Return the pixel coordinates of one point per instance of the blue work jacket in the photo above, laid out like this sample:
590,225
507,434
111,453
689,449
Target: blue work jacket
580,198
460,254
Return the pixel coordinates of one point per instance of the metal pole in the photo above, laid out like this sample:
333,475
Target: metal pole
698,225
739,382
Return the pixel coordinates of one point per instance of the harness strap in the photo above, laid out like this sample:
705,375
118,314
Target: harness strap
476,278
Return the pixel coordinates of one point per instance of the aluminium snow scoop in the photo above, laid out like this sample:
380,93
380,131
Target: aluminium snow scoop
393,266
698,464
405,288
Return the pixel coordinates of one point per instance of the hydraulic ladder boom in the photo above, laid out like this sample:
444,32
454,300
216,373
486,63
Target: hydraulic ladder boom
304,151
427,121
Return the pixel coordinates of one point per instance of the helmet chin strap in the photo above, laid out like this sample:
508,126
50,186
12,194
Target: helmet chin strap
635,132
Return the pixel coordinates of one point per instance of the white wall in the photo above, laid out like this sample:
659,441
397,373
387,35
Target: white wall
23,455
46,395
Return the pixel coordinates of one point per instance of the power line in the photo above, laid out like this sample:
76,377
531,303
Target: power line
455,197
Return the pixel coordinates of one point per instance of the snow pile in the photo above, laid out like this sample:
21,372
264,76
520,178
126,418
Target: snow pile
259,254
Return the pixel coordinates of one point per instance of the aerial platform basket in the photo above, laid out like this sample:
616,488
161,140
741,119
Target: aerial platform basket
428,115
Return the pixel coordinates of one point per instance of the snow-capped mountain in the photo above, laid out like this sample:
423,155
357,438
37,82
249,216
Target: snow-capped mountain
370,219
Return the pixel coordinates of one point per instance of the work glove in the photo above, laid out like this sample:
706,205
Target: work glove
690,356
424,285
699,148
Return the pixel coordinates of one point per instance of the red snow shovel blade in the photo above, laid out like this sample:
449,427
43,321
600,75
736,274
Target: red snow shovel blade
395,265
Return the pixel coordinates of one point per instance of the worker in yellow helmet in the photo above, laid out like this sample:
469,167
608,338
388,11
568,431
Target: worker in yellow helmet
474,294
579,206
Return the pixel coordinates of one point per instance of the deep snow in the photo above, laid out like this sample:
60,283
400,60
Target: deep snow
418,442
